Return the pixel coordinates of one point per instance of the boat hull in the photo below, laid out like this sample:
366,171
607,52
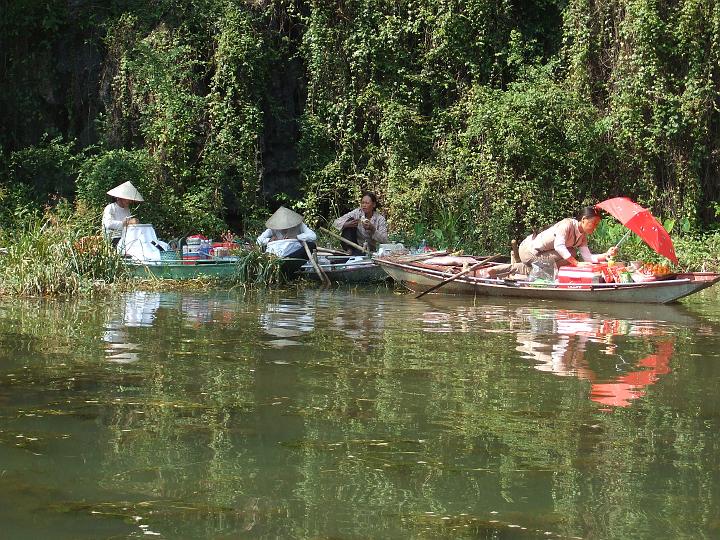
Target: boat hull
185,270
353,271
419,279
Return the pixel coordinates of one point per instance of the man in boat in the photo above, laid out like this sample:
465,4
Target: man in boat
285,233
364,224
559,243
116,215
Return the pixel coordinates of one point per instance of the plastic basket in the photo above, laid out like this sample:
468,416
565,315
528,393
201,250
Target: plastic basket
170,256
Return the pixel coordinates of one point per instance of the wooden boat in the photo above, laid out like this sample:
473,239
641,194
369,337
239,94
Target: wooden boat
418,276
346,269
224,268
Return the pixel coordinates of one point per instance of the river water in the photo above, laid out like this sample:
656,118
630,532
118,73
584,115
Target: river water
358,413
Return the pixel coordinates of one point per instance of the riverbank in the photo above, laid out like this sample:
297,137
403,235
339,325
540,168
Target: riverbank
60,254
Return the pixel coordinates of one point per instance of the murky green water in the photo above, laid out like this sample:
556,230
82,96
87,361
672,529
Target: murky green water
358,414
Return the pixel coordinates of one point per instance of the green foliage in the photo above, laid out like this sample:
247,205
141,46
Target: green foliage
191,101
171,213
45,170
380,79
474,121
699,251
510,161
102,172
648,66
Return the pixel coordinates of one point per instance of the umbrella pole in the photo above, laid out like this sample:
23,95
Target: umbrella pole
627,234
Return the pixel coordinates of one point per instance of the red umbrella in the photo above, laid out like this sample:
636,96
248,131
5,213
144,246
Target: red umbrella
641,222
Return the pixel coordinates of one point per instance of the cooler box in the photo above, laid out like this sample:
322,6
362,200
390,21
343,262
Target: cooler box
580,275
139,241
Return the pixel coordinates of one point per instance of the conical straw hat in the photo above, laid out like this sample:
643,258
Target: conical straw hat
126,191
284,218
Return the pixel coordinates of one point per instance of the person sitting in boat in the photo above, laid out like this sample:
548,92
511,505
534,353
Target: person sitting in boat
364,224
116,215
560,243
285,233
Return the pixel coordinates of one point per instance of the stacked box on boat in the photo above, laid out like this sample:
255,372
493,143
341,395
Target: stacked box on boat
581,275
194,250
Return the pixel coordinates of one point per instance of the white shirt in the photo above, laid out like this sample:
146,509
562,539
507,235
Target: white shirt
112,220
286,240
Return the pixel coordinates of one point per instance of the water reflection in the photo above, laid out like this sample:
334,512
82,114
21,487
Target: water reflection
361,322
136,309
286,319
625,388
599,345
385,417
558,340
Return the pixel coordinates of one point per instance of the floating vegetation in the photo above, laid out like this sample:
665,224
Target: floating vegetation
201,283
255,268
436,524
166,515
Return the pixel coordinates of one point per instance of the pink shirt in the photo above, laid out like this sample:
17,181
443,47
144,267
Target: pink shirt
562,237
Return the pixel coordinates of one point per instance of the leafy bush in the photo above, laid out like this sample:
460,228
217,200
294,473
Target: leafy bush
172,213
48,168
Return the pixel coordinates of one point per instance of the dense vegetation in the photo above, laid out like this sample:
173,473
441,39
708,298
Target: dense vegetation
475,121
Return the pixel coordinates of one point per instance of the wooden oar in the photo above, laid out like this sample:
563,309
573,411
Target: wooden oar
331,251
322,275
460,274
348,242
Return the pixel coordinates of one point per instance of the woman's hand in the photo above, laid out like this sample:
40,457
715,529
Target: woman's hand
611,252
369,226
572,261
351,224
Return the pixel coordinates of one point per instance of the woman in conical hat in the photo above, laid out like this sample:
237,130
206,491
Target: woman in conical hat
117,214
285,230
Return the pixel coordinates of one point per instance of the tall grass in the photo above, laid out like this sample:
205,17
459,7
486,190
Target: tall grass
58,254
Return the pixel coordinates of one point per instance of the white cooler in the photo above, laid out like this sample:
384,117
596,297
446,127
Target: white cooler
139,242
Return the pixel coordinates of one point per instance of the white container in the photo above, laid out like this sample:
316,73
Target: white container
137,242
384,249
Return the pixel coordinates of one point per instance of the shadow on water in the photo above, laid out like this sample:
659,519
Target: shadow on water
353,413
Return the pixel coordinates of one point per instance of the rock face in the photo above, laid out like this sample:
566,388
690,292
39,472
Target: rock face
286,99
51,82
49,76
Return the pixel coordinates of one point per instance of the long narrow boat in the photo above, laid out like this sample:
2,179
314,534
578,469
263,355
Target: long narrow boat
419,277
225,268
346,269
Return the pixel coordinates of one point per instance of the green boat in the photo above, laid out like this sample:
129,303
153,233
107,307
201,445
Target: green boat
224,268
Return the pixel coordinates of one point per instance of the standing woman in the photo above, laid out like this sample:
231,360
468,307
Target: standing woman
363,224
117,214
